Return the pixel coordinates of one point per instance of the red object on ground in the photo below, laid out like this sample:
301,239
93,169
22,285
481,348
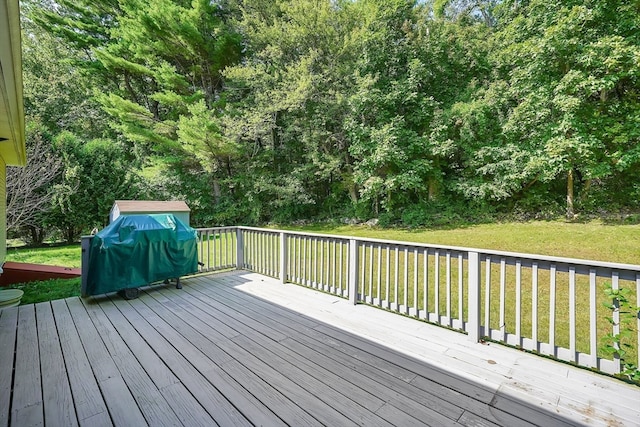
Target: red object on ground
20,272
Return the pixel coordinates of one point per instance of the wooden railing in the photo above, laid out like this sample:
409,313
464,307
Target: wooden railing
217,248
549,305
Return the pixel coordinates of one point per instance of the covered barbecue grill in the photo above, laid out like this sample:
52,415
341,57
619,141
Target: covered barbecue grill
137,250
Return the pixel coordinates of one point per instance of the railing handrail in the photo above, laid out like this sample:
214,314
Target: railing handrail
230,227
504,254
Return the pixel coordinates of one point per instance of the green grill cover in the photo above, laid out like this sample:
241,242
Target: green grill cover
137,250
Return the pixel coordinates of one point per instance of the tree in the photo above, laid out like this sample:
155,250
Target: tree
573,83
29,188
152,65
555,107
260,110
96,173
165,56
286,105
412,70
201,137
58,90
474,10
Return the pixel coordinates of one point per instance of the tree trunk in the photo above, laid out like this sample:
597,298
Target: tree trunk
132,93
433,189
70,234
278,149
353,192
570,198
217,194
603,95
349,183
585,189
37,235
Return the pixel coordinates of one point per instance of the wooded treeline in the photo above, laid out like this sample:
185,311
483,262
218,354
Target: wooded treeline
274,110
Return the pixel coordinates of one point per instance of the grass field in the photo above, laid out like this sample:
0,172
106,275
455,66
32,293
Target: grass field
48,290
63,256
594,240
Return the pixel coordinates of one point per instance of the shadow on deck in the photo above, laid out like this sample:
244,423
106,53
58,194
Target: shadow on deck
234,349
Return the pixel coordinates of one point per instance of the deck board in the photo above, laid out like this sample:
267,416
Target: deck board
339,375
200,357
289,412
8,326
163,338
26,405
238,348
351,400
120,403
150,401
272,376
313,379
56,391
185,407
88,402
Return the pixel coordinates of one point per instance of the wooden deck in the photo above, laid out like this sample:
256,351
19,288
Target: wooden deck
234,349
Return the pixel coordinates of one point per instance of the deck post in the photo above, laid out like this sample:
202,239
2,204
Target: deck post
239,249
473,324
85,245
283,257
638,314
352,268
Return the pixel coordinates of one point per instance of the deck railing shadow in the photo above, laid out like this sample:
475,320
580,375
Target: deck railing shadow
548,305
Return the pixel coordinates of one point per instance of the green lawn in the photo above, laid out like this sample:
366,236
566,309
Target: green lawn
48,290
593,240
63,256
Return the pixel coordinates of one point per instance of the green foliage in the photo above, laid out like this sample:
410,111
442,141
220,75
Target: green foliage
286,106
201,137
412,112
56,94
95,174
186,180
624,315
